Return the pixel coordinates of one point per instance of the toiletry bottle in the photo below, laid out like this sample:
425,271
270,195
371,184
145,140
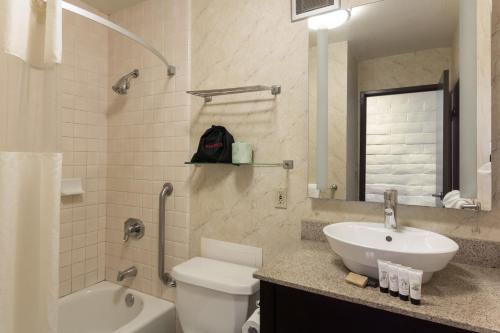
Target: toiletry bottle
404,283
383,275
393,280
415,286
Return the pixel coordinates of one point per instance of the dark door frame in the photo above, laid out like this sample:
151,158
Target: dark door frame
364,95
455,136
448,162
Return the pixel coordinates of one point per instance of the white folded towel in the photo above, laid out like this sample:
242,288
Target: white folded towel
453,200
32,30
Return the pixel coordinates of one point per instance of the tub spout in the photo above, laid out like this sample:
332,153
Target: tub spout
129,272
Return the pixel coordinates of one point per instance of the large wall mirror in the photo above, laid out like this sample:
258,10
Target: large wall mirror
400,98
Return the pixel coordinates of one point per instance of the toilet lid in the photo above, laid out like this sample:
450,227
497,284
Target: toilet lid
217,275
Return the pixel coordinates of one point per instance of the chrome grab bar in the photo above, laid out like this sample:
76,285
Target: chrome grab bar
165,277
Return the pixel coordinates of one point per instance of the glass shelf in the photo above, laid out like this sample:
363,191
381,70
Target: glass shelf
287,164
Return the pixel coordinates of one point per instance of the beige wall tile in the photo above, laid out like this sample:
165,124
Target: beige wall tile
143,143
84,84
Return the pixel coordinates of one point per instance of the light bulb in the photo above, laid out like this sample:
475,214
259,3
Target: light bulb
330,20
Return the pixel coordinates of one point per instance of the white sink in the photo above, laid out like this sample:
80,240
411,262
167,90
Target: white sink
360,244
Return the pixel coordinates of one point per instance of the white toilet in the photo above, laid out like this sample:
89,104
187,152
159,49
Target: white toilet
214,296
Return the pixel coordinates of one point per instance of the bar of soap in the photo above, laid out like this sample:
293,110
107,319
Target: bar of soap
356,279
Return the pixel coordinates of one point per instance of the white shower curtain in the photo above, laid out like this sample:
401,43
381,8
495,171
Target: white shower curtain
30,165
29,237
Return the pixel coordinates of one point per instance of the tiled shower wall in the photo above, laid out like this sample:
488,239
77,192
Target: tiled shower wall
83,85
148,141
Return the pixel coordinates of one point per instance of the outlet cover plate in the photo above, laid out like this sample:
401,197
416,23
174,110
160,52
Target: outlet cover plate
280,198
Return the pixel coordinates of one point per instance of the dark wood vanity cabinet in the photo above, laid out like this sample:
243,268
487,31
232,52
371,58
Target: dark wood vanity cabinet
289,310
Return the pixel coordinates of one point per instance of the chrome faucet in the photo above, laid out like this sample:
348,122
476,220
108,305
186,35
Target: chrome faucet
129,272
390,209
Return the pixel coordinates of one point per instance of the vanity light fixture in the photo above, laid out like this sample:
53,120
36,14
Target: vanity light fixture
321,24
329,20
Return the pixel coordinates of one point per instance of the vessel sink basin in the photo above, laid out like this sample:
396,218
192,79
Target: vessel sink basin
360,244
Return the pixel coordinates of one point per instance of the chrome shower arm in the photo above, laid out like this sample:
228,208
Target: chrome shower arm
134,74
165,277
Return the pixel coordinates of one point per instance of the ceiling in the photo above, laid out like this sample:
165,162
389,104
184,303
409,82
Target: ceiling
111,6
376,29
398,26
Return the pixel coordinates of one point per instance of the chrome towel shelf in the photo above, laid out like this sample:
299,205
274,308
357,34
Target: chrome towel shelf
208,94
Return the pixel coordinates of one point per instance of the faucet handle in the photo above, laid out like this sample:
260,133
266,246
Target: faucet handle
391,196
133,227
391,203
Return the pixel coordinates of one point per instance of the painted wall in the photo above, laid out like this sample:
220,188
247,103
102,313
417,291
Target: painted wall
244,43
254,42
404,70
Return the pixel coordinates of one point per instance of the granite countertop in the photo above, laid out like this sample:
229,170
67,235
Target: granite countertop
461,295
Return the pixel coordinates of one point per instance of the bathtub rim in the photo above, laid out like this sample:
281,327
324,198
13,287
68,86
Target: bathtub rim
153,307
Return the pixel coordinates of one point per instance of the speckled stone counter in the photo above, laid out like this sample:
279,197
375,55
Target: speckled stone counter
461,295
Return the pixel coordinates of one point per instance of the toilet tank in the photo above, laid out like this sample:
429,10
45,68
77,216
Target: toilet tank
214,296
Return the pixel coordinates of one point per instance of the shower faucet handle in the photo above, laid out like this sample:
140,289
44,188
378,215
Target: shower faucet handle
133,227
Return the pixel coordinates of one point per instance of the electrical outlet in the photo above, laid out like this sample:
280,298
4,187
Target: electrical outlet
280,197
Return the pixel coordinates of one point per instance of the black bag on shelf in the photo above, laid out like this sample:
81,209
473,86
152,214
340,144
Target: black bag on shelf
215,146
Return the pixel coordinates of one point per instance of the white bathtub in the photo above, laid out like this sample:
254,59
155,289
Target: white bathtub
102,309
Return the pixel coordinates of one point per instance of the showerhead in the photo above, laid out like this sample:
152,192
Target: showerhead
123,84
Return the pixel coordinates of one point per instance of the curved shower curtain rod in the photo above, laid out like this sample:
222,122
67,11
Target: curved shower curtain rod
120,30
